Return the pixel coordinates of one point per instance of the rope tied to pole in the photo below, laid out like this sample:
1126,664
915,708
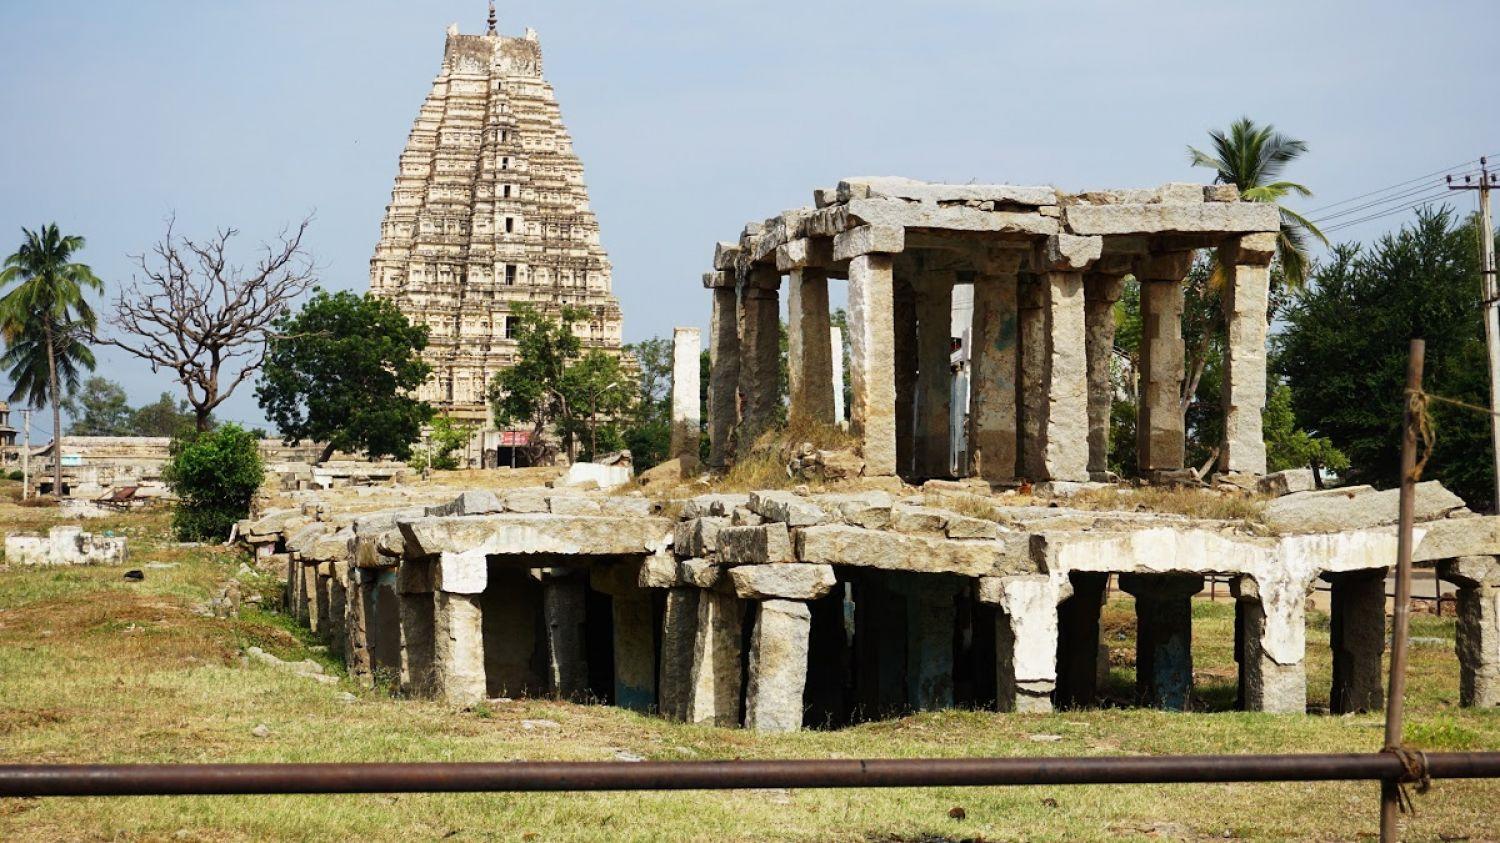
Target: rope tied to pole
1414,771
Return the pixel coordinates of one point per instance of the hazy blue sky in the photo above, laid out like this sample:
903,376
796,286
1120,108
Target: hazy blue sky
693,117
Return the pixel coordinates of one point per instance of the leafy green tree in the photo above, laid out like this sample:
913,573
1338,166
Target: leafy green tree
1253,157
99,408
445,436
602,393
1344,346
342,371
531,392
648,434
44,320
214,475
162,417
1289,446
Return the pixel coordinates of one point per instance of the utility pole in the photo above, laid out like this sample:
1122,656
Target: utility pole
1491,292
26,453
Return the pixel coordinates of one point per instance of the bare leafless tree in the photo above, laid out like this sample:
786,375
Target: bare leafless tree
195,313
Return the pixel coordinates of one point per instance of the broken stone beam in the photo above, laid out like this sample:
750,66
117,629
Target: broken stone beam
686,357
724,375
1210,218
1246,294
1160,433
1025,640
809,352
872,359
760,355
992,384
778,667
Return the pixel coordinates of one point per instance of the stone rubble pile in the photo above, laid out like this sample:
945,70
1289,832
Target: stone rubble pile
66,545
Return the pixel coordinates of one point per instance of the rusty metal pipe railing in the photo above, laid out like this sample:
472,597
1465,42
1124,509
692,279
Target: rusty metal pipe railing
543,776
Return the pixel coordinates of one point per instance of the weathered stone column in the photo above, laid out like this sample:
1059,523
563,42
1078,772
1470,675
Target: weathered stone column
1100,292
778,666
714,690
1031,393
904,353
322,599
458,651
836,343
1272,636
357,642
930,619
1078,651
1065,427
338,601
564,599
995,330
724,369
934,387
1246,298
1164,637
760,354
383,617
679,624
1025,640
414,584
1478,632
309,614
809,351
634,626
1160,433
872,341
686,361
1357,630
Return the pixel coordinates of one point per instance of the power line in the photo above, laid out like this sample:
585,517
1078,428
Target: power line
1393,198
1418,202
1389,188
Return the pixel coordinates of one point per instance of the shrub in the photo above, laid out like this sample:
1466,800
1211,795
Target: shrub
16,475
214,475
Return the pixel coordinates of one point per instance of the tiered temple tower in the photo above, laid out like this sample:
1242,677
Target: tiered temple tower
490,209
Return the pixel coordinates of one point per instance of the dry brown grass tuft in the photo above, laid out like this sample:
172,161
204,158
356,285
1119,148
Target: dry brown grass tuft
1196,503
765,467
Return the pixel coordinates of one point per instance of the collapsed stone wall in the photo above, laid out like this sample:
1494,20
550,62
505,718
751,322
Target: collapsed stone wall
776,610
67,545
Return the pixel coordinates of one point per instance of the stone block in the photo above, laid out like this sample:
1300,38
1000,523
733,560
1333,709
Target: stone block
573,505
725,255
778,667
1071,252
461,573
1354,508
527,501
869,239
660,570
787,508
518,534
918,519
896,187
792,581
1287,482
703,506
743,517
897,214
765,544
468,503
698,536
964,527
1180,193
1213,217
833,544
1221,193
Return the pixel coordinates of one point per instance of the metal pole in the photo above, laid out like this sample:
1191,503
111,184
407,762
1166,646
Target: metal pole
1390,795
36,780
1491,320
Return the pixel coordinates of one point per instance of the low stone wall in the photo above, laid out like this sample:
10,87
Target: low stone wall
775,610
64,546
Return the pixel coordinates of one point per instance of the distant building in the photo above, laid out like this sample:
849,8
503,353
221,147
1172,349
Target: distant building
9,452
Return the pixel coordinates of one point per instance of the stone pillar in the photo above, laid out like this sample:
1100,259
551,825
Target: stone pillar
357,642
1164,637
1100,292
1064,430
1357,629
679,624
384,625
322,600
836,343
872,361
1031,400
809,347
778,666
635,650
1478,631
934,387
458,648
1246,267
930,618
686,358
309,574
1078,650
418,622
564,598
992,381
338,602
1025,640
904,353
714,688
1272,638
723,375
1160,433
760,355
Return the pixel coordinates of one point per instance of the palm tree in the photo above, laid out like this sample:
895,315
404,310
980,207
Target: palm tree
1252,158
44,320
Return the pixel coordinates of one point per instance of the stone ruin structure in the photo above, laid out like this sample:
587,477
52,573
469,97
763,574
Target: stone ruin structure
778,610
66,545
489,209
1046,268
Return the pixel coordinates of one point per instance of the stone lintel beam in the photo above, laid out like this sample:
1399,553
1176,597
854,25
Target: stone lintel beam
868,240
535,533
898,213
834,544
803,253
726,255
897,187
780,230
1214,217
718,280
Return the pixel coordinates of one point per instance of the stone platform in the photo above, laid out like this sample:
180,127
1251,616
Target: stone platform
777,610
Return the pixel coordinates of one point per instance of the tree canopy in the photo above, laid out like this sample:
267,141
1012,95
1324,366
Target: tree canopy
341,371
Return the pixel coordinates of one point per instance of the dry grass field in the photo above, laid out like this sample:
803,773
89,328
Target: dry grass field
95,668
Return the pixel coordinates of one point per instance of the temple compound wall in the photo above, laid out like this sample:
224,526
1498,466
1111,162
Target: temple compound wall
490,210
1045,269
778,610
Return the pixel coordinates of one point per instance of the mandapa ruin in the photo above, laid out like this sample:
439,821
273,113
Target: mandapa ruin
490,209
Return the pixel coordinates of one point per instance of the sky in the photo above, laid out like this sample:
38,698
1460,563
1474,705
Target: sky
693,117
